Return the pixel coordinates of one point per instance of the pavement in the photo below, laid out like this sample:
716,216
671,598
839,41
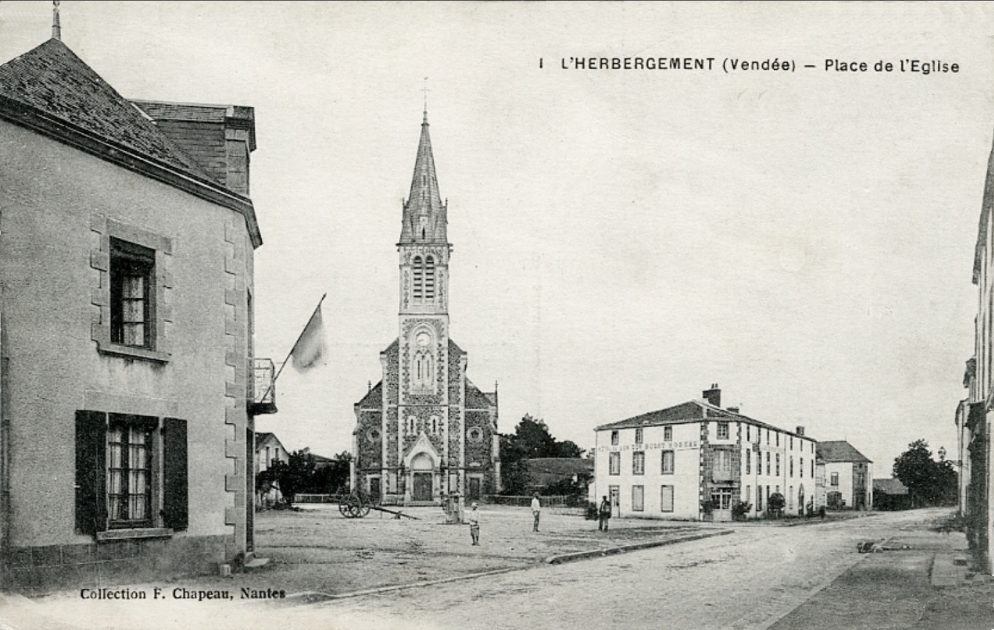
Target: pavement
753,578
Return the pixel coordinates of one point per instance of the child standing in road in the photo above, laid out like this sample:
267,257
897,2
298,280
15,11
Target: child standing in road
474,524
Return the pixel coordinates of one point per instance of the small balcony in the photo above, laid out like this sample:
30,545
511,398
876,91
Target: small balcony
262,398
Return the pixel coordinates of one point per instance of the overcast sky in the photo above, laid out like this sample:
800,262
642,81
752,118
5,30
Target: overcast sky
621,239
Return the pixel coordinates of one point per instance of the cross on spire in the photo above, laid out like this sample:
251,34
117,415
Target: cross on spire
56,27
425,91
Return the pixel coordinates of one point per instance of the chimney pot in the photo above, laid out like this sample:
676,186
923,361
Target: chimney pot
800,430
733,409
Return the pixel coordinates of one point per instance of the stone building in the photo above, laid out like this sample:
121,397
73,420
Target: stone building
126,267
668,463
425,429
848,476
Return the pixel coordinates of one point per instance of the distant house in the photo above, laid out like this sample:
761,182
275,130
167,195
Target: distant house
269,451
890,494
848,475
545,471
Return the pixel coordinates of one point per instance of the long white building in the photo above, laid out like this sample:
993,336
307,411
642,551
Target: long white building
668,463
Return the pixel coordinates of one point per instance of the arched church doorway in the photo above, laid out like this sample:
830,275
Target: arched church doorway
421,473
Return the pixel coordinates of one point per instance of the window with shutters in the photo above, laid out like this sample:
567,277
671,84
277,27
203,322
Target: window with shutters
722,430
667,462
667,434
638,498
429,278
666,498
748,461
638,436
638,463
419,277
614,463
835,479
131,473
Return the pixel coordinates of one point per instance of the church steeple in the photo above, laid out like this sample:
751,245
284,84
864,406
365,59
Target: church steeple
424,218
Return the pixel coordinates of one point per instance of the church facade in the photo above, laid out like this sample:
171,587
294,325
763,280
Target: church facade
425,430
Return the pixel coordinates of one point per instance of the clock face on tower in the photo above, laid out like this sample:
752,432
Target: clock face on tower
422,340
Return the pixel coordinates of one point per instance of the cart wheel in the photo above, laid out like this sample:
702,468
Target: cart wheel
343,507
364,510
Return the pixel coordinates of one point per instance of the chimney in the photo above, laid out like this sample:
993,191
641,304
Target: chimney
218,137
799,430
713,395
734,409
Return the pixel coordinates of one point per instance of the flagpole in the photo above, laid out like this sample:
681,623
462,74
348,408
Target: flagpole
292,348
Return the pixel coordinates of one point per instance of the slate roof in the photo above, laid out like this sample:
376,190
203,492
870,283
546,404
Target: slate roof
690,411
840,451
476,399
52,80
373,397
889,486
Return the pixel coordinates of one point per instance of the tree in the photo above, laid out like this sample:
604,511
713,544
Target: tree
295,475
531,439
929,482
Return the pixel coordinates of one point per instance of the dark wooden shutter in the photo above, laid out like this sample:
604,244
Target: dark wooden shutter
175,506
91,444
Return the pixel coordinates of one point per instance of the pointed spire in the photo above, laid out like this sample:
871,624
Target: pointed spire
424,213
56,27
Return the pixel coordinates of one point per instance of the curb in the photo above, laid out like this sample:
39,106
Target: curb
597,553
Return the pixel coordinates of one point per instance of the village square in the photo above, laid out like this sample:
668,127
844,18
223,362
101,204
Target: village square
570,378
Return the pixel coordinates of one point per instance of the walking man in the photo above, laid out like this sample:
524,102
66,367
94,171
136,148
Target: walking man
474,525
603,514
536,511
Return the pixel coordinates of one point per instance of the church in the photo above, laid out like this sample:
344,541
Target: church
425,430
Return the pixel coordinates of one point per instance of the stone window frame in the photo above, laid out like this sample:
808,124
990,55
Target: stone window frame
161,313
614,464
722,432
672,458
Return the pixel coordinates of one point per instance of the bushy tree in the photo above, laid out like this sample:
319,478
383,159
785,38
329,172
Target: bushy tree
929,482
531,439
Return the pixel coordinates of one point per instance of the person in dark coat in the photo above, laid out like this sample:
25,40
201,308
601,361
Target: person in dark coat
603,514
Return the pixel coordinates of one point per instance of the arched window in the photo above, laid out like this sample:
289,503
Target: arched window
419,277
429,276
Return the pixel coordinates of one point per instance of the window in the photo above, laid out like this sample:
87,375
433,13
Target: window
433,423
372,434
419,277
767,462
759,498
721,466
800,468
429,278
722,430
767,436
132,278
835,479
722,498
412,424
614,463
475,434
778,438
747,433
638,498
667,434
121,480
812,468
791,465
667,462
792,442
666,498
638,436
778,464
748,495
129,471
266,463
748,460
638,463
614,438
